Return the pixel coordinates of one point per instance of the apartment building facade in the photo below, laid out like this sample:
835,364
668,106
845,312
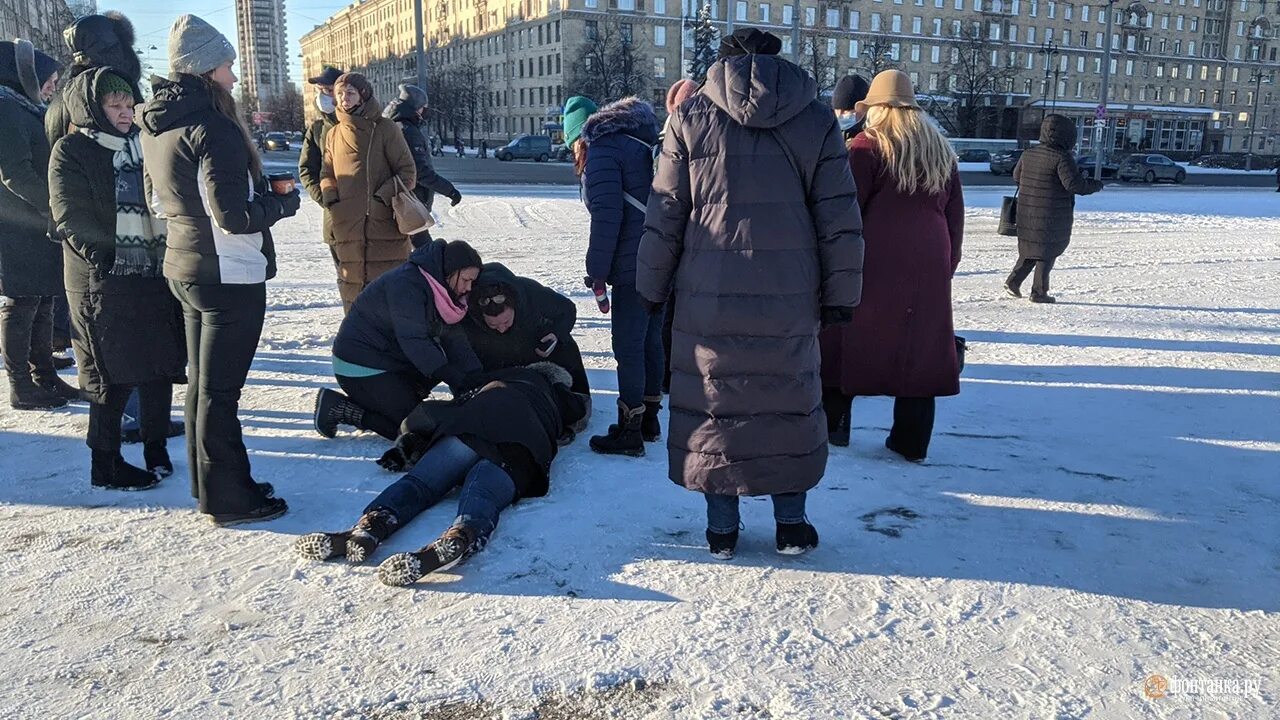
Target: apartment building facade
40,21
1186,75
263,57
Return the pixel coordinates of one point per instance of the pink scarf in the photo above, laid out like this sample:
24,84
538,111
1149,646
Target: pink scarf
450,311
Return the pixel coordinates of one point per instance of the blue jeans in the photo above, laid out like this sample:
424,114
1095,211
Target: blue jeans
722,511
486,488
637,346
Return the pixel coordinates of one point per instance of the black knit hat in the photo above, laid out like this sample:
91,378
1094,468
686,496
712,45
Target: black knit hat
459,255
750,41
851,89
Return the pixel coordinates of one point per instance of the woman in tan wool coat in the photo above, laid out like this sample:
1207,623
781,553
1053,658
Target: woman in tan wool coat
364,154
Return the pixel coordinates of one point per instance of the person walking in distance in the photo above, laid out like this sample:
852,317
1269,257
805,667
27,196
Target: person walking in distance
205,178
128,325
409,112
366,162
901,342
754,227
849,91
1048,181
30,265
311,159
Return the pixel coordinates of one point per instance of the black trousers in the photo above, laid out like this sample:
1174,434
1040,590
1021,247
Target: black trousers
387,398
1024,267
912,420
223,324
153,415
26,337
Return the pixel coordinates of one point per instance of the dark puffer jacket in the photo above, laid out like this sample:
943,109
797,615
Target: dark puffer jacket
95,41
128,328
394,326
539,310
197,163
311,161
752,246
430,183
30,263
1048,181
512,420
620,139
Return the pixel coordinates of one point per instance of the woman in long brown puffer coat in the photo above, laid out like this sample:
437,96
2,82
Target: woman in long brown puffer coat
753,225
364,155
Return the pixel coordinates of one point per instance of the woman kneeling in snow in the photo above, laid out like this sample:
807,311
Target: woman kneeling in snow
496,442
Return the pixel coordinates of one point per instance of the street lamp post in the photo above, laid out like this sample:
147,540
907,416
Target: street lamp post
1101,117
419,51
1050,51
1257,79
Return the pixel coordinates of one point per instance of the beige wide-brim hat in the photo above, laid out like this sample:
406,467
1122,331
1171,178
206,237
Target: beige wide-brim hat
892,88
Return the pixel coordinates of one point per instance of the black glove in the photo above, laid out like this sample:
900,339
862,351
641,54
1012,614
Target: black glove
455,198
650,308
290,203
832,316
393,460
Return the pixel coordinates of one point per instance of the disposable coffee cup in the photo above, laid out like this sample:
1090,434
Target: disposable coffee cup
281,183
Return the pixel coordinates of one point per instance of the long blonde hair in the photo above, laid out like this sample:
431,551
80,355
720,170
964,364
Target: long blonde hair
917,155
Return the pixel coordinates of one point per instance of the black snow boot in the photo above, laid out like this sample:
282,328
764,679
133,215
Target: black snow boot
156,455
1048,299
650,427
334,409
448,550
625,437
61,362
839,434
370,530
1012,290
110,471
270,509
53,384
722,545
796,538
322,546
24,394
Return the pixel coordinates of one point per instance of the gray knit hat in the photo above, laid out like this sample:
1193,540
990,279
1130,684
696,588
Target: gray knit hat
196,47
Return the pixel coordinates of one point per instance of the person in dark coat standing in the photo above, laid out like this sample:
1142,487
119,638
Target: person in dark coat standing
849,91
496,443
408,111
619,141
901,342
1048,181
128,325
515,321
754,227
30,264
311,159
401,338
204,177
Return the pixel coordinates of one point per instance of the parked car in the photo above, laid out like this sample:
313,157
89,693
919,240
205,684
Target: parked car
526,147
1088,162
1150,168
1003,163
975,155
275,141
296,137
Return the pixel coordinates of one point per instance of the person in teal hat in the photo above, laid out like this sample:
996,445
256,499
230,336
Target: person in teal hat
576,111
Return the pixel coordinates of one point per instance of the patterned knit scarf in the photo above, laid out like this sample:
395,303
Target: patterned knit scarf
139,235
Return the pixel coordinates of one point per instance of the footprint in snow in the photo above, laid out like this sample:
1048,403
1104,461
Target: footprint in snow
890,521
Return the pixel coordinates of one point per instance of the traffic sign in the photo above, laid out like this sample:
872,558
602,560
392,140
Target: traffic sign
1101,112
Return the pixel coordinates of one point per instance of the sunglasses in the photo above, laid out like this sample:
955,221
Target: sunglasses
498,299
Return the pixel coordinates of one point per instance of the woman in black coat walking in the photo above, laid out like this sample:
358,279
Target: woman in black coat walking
30,265
407,111
1048,181
205,177
128,325
497,443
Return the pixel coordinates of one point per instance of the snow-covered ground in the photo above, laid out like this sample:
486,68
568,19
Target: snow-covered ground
1101,504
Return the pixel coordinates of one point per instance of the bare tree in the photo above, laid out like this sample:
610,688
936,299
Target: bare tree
976,74
286,110
608,65
821,64
706,43
877,55
469,94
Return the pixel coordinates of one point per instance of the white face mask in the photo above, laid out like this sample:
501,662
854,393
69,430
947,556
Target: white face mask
847,122
326,104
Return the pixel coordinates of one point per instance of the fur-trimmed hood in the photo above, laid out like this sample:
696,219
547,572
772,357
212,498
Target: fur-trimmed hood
630,115
103,40
552,372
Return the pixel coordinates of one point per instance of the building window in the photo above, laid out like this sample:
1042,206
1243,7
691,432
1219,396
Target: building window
660,36
810,16
937,27
593,29
853,48
626,30
917,25
895,23
875,22
764,13
628,5
915,53
741,11
592,4
831,47
786,45
659,7
855,19
833,17
660,67
788,14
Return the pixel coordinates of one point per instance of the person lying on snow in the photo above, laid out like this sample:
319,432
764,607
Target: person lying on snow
400,340
517,321
497,442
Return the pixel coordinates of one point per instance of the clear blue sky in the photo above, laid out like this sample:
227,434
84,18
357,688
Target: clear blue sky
152,24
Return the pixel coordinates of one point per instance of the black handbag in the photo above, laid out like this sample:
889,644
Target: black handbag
961,346
1009,215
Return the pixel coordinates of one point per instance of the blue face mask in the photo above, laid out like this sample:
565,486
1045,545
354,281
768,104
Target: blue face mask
847,122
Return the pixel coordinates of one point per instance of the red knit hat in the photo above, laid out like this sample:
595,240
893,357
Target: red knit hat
680,91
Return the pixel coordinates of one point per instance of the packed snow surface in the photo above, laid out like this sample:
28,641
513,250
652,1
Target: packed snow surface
1101,504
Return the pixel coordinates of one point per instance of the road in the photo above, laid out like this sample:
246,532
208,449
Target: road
470,171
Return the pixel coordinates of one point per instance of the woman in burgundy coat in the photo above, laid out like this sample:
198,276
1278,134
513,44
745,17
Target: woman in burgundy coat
901,342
